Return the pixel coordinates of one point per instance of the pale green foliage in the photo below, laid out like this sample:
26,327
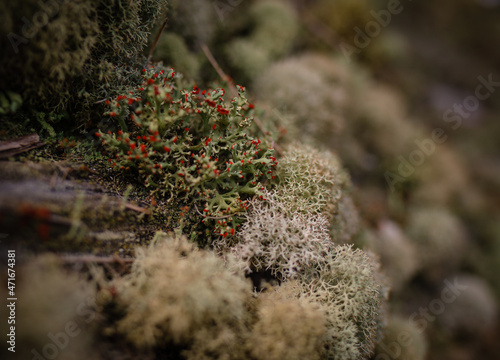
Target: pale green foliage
191,147
403,340
274,28
179,295
314,182
289,329
439,236
172,51
9,102
350,287
247,57
277,239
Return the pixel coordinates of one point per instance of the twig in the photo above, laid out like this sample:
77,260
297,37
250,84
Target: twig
222,74
233,90
157,38
137,208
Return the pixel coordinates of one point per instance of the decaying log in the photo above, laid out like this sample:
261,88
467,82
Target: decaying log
19,145
42,208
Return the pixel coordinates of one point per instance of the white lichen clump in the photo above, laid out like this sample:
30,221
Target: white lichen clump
275,239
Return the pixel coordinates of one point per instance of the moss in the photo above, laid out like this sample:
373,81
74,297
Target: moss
342,16
301,92
402,340
247,57
87,50
274,26
444,180
440,238
56,53
382,123
172,50
54,307
398,255
194,20
287,329
474,310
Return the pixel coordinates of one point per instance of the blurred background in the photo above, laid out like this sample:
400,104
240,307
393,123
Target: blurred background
407,93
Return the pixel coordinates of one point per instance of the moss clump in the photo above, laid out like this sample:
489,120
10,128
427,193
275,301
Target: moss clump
439,237
273,28
172,50
84,51
444,180
53,304
180,298
352,291
194,20
342,16
398,255
474,311
402,341
287,329
302,93
382,123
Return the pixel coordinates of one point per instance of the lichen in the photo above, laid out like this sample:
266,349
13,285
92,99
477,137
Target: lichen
350,287
180,297
191,146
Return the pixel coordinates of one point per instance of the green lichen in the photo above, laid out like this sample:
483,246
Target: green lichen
190,147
